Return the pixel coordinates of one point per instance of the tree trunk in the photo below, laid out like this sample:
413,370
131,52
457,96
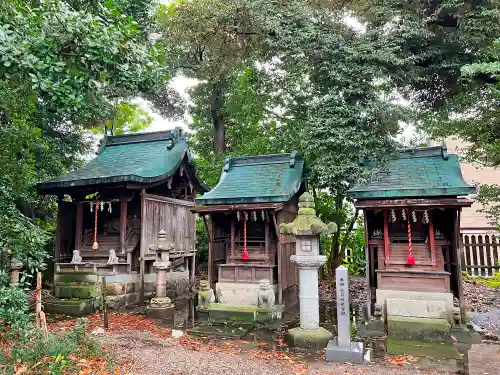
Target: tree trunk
219,124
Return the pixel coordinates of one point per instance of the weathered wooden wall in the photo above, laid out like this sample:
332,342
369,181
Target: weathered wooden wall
173,216
286,269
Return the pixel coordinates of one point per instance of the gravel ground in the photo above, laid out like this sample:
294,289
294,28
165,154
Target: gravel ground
489,322
140,354
480,297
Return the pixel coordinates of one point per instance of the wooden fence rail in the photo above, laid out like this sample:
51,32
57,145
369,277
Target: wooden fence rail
480,253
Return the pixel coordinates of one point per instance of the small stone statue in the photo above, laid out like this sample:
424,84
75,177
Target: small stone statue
266,295
113,259
76,257
206,295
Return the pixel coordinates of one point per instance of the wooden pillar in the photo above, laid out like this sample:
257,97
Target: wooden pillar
267,237
142,245
386,236
280,268
233,235
456,245
59,222
209,229
368,264
193,269
79,225
431,240
123,225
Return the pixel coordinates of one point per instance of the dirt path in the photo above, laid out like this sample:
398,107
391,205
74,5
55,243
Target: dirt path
143,354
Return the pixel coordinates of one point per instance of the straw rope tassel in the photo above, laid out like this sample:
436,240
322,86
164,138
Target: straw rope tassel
245,252
411,259
95,245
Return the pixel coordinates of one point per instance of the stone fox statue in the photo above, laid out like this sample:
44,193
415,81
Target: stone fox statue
206,295
266,295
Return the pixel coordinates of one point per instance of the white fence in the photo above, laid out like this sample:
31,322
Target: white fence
480,253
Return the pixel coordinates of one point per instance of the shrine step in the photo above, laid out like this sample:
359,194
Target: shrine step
73,307
219,312
425,329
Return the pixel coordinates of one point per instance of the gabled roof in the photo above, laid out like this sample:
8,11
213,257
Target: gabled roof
420,172
138,158
257,179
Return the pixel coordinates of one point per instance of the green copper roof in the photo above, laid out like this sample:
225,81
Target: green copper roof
257,179
139,158
420,172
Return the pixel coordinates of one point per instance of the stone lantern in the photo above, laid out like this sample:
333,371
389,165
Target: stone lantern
306,228
161,306
15,269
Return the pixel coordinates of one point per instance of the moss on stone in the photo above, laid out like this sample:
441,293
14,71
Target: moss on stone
312,339
420,348
426,329
306,222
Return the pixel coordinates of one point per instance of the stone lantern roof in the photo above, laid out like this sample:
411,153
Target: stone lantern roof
307,223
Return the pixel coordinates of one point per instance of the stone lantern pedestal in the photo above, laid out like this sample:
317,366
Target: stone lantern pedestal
307,227
160,306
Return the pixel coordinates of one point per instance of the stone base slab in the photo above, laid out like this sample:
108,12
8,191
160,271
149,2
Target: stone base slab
383,294
417,308
160,312
353,353
425,329
311,339
242,294
220,312
422,349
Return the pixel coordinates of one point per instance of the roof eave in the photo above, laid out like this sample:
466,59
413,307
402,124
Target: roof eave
243,200
417,192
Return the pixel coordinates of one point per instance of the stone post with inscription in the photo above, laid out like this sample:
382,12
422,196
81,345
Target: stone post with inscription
342,349
306,228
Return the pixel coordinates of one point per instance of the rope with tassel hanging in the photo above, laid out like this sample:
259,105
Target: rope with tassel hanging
245,252
411,259
95,245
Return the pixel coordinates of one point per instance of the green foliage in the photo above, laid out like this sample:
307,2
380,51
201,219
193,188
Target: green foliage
65,66
491,282
489,197
201,241
14,311
32,346
58,365
354,259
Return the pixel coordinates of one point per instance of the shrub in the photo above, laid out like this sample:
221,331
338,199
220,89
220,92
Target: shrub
14,311
32,346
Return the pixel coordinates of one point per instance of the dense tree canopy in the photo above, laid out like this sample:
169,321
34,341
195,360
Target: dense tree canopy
65,66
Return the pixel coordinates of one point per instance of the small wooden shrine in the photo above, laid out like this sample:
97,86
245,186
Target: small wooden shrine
412,227
111,210
253,197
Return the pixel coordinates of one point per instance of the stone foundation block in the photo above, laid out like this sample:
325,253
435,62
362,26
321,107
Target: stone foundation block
417,308
424,329
77,291
116,302
160,312
315,339
115,289
240,294
71,307
383,294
